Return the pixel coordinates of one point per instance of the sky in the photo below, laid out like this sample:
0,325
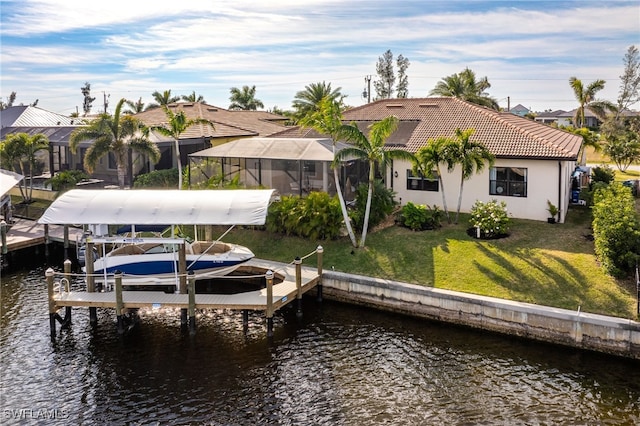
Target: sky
131,48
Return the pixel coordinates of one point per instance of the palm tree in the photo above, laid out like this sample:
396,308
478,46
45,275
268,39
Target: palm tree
193,98
430,157
163,98
309,99
244,99
176,125
586,97
372,149
470,155
465,86
327,119
21,148
134,107
117,134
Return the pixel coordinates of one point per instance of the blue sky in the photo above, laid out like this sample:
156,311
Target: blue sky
129,49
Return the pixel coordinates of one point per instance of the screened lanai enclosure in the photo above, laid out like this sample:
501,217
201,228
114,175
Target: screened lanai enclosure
291,166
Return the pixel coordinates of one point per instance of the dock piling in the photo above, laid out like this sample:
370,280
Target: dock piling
269,312
298,263
3,232
67,288
320,251
182,283
192,303
119,303
91,283
52,303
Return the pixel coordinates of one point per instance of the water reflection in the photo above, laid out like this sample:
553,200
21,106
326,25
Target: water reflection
339,364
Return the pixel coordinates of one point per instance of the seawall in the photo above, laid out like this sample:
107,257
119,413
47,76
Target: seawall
616,336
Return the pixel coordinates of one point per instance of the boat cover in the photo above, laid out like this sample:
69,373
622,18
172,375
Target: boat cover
155,206
8,180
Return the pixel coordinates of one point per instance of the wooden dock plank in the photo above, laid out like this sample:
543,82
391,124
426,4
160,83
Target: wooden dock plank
25,233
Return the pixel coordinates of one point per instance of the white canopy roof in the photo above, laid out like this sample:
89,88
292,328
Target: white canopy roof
275,148
154,207
8,180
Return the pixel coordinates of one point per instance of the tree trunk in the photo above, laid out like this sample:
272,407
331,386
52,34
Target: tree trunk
444,198
459,199
177,143
343,206
367,209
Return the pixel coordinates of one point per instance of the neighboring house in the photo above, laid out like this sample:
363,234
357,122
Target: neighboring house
534,162
591,121
229,125
56,127
548,117
519,110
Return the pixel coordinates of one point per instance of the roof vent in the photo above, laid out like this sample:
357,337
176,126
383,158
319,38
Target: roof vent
428,105
395,106
212,109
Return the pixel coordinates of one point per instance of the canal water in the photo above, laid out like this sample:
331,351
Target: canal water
338,365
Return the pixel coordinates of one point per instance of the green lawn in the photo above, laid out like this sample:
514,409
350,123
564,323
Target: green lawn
539,263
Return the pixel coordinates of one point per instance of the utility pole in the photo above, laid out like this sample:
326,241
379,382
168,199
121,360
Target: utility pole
106,102
367,89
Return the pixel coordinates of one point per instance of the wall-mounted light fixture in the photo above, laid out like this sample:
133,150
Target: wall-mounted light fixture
395,173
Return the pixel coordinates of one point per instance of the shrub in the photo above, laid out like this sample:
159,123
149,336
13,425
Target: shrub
317,217
616,229
420,217
167,178
602,173
67,179
491,218
382,204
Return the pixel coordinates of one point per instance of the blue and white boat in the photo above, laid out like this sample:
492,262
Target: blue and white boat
156,260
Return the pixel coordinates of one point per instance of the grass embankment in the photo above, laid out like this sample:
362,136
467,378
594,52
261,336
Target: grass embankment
539,263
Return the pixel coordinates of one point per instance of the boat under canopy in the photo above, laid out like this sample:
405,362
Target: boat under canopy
156,207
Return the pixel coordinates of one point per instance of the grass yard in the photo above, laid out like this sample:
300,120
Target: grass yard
538,263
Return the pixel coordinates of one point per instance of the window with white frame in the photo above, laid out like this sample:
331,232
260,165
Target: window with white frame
508,181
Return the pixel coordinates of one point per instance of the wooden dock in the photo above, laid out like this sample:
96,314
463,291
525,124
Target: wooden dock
24,233
292,281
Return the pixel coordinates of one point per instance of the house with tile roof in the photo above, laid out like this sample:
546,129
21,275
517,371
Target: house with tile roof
533,162
228,125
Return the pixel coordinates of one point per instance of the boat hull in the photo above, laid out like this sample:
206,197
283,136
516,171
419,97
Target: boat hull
162,268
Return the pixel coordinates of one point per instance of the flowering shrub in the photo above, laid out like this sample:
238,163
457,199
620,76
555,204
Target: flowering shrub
491,218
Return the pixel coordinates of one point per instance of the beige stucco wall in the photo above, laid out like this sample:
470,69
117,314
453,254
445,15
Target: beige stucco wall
542,185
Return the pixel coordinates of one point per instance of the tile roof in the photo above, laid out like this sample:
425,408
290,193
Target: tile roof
227,123
504,134
30,116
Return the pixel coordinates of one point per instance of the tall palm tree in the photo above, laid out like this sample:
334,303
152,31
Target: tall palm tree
327,119
21,149
371,148
430,157
586,97
470,155
163,98
134,107
307,100
193,98
117,134
244,99
465,86
177,123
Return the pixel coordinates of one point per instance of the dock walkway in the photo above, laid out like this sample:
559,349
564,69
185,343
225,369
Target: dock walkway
283,292
24,233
